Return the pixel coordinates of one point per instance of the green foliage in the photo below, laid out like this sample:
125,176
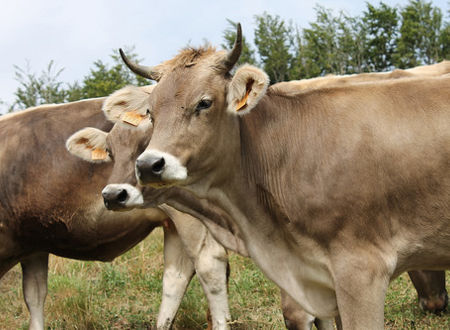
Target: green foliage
103,80
332,44
273,39
445,43
382,30
36,89
383,38
419,35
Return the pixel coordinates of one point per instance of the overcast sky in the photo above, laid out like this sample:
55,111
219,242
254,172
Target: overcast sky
76,33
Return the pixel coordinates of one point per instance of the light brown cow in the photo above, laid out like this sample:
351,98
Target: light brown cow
50,202
431,298
335,191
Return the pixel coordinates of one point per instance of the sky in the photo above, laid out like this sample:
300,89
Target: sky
76,33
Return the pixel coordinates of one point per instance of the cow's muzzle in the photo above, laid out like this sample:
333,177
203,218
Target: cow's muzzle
120,197
158,168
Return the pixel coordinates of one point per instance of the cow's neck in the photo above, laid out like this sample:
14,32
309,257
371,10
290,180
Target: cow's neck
250,200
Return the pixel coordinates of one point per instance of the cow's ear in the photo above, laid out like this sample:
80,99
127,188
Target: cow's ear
129,105
248,86
89,144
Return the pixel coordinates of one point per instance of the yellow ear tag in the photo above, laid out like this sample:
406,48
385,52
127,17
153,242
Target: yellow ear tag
243,103
132,118
99,154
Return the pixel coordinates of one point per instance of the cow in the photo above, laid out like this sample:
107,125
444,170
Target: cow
335,191
430,285
50,202
436,300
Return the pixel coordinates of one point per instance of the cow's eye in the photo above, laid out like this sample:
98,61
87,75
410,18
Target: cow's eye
203,104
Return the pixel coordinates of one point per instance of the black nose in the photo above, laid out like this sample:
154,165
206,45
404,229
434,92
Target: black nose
150,168
114,198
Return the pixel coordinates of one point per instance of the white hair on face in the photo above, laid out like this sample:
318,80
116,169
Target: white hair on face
129,98
134,195
247,75
173,170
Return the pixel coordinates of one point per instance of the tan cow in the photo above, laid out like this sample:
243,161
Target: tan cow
335,191
50,202
433,299
430,285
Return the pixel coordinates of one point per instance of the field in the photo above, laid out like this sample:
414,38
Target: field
125,294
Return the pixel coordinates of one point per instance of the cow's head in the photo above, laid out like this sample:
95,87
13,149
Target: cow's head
128,109
195,109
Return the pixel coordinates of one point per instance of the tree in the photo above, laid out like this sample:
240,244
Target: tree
274,40
444,52
419,41
36,89
103,80
229,36
382,28
332,44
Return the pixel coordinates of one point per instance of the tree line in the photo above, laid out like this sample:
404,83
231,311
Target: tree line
382,38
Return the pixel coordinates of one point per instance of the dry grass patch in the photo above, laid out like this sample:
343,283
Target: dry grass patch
126,294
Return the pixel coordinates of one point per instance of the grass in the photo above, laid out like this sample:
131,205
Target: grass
126,293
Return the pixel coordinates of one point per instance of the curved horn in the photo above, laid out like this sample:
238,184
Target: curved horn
233,55
141,70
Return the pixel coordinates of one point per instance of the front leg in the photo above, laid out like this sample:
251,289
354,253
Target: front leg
34,281
361,282
178,272
211,264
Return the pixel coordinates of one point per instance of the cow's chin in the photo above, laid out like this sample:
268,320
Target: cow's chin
120,208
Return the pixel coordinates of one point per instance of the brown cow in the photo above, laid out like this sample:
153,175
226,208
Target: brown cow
335,191
433,299
430,285
50,202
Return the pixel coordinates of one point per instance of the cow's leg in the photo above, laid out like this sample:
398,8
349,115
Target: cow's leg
34,281
361,282
210,260
430,286
178,272
211,265
295,318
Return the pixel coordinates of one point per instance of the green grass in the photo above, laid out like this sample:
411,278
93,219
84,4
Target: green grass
126,293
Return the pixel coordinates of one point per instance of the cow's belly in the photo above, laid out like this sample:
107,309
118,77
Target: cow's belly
90,234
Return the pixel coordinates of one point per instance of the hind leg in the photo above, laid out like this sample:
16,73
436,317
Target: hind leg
430,286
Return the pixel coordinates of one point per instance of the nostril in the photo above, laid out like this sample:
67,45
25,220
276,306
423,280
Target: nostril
122,196
158,166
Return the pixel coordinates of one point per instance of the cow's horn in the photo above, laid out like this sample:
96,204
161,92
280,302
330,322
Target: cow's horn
233,55
141,70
